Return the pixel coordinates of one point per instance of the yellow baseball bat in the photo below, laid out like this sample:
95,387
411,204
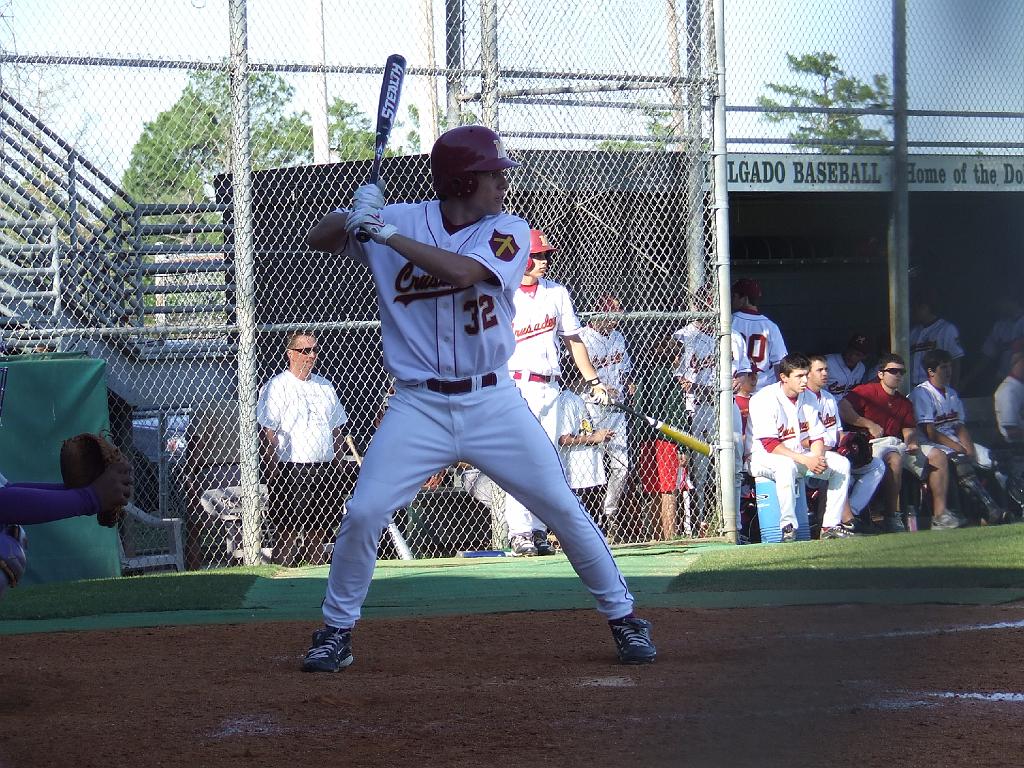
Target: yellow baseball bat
672,433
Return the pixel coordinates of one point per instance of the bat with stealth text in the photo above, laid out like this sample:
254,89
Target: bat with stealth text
387,108
672,433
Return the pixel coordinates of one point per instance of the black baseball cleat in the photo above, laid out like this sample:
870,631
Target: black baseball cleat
633,641
331,651
522,545
542,545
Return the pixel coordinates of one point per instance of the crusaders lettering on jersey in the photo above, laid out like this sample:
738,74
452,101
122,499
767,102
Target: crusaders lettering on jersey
828,420
411,286
785,433
504,246
604,362
536,329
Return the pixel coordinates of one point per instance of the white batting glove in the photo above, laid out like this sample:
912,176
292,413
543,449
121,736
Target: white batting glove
368,196
601,394
370,221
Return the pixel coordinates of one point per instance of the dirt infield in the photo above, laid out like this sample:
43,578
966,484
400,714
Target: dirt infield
799,686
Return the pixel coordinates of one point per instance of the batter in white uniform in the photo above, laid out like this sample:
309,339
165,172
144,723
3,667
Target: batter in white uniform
445,273
543,314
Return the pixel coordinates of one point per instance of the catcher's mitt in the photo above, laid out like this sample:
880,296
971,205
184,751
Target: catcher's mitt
856,447
85,457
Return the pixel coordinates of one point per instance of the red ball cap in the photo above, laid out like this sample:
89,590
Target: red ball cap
539,242
747,287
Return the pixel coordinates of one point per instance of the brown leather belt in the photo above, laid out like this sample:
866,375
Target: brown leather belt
535,377
459,386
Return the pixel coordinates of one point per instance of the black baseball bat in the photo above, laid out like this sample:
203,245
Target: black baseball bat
387,108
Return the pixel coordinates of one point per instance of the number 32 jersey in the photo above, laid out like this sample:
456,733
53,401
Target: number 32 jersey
765,346
429,328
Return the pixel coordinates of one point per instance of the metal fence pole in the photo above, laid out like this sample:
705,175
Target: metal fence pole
726,443
241,178
453,30
899,214
489,56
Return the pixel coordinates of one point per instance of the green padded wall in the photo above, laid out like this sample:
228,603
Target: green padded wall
46,399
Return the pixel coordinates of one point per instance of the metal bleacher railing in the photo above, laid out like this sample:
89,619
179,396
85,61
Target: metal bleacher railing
76,251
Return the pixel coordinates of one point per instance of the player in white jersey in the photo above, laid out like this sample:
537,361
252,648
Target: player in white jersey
931,332
697,373
445,272
1009,402
940,416
764,343
864,480
543,315
940,411
846,369
788,442
607,349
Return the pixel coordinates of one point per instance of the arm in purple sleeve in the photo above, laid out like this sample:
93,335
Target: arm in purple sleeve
31,505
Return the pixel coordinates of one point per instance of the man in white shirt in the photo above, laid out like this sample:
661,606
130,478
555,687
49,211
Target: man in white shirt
929,332
788,443
302,420
1009,402
846,369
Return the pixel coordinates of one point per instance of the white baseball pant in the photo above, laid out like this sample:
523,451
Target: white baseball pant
864,482
785,471
492,429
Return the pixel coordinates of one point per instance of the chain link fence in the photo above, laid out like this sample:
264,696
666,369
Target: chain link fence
142,223
124,192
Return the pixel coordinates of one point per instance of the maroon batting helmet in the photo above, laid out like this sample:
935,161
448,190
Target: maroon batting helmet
462,152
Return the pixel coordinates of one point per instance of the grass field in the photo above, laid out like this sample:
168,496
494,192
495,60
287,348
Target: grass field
973,558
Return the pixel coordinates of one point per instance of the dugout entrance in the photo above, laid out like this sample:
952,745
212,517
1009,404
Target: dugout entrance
817,240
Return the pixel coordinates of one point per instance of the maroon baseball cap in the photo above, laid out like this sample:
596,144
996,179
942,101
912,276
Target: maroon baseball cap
745,286
859,343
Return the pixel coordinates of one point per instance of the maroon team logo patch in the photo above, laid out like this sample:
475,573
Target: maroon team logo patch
504,246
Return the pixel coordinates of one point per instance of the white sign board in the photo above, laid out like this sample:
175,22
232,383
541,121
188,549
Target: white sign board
750,172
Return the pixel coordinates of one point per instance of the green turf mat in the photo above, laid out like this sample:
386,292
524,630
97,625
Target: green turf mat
973,566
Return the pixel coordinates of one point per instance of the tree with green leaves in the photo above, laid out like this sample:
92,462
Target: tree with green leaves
185,147
830,88
659,128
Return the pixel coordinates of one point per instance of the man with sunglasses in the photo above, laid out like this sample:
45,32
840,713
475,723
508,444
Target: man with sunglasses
887,415
302,420
446,272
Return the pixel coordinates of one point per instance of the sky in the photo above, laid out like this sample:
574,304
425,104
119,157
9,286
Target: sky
960,55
